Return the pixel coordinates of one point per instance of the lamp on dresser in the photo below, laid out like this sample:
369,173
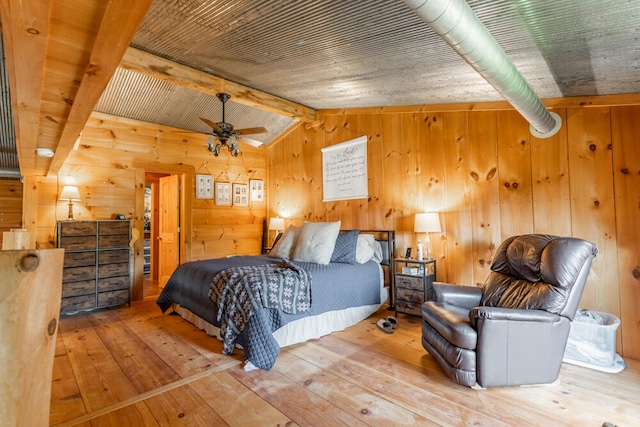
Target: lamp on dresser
70,193
427,222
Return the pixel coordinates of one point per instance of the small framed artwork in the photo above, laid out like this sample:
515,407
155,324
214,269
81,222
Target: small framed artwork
204,186
223,194
256,189
240,195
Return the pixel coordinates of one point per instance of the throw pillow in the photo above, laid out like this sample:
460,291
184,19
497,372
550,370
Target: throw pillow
284,246
345,249
365,248
316,242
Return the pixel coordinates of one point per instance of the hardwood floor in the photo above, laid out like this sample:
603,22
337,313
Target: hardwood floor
133,366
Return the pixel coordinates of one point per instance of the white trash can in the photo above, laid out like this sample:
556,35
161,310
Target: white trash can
592,341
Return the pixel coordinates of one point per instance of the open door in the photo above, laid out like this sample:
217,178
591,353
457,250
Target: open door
168,227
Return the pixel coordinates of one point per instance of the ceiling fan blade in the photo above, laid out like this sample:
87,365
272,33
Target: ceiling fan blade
249,131
213,126
249,141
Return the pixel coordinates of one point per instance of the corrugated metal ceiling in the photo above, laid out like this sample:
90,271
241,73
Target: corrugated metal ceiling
343,53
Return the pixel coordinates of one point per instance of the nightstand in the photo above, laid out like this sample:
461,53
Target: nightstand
413,284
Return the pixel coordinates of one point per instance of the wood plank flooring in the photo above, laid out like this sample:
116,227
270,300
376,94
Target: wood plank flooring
133,366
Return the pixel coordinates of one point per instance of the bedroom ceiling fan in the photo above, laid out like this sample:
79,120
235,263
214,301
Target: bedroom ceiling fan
225,133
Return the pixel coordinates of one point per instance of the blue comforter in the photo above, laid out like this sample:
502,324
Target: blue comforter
335,286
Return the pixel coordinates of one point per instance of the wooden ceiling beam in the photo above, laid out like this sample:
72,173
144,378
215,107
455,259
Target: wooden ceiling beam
119,24
25,32
181,75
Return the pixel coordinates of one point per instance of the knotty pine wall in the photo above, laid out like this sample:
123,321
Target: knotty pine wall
489,178
11,202
109,169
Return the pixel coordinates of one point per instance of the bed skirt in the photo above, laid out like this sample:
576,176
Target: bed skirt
301,330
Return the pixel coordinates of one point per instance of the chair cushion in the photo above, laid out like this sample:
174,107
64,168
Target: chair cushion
451,322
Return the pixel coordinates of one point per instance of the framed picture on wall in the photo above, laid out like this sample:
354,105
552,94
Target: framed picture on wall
240,195
223,194
256,189
204,186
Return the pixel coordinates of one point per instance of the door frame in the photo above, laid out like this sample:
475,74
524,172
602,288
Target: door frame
186,173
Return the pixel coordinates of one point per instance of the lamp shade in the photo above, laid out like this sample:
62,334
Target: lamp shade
276,223
427,222
70,192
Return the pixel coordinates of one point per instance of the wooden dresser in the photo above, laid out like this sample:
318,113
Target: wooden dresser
97,264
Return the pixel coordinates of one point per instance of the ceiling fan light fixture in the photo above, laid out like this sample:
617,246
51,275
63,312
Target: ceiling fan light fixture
225,133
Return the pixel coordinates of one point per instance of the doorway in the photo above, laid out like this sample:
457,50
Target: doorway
162,238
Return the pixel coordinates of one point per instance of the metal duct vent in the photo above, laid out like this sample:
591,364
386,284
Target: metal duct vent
457,24
9,167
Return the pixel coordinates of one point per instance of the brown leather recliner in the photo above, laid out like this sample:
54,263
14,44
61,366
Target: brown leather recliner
513,330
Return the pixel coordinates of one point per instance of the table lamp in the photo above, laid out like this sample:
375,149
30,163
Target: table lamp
426,222
70,193
276,224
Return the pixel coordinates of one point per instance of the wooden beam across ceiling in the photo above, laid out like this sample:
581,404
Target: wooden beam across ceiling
174,73
119,24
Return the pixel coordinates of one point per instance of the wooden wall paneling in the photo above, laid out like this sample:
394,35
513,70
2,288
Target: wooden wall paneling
347,211
329,133
376,173
10,206
137,282
484,180
275,184
550,182
514,170
592,202
410,172
459,250
30,209
433,179
361,206
626,178
314,139
297,173
394,179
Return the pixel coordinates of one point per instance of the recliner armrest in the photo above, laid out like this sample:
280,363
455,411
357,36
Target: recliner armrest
460,296
519,315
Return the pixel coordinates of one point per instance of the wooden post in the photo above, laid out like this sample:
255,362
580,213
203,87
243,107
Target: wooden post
30,292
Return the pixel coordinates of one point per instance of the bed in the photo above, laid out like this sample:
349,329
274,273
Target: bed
342,292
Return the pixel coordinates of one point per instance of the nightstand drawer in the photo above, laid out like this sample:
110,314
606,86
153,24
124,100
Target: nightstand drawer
408,307
410,295
409,282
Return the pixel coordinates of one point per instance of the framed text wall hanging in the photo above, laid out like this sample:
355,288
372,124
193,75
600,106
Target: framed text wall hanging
344,170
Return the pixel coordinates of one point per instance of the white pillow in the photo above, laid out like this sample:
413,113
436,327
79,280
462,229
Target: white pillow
316,242
365,248
284,246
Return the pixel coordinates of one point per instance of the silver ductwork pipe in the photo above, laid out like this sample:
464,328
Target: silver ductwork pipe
458,25
10,173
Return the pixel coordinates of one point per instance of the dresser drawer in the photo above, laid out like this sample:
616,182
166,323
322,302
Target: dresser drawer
408,307
79,259
113,241
73,243
78,274
409,282
113,284
410,295
77,228
74,289
113,270
110,257
113,227
77,303
113,298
